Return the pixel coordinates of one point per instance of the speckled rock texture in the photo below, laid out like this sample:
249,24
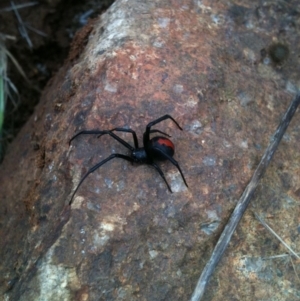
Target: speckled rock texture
226,71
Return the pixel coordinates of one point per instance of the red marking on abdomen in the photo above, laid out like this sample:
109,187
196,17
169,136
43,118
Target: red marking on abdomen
166,142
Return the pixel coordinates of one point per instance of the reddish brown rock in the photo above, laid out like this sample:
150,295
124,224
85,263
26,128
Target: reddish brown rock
126,237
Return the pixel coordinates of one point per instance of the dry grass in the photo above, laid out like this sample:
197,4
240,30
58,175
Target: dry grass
8,90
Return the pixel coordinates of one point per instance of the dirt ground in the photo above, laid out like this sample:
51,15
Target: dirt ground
40,49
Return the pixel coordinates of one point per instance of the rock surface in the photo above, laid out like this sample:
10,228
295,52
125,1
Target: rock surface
220,71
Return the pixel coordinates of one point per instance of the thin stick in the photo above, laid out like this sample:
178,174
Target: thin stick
276,235
278,256
18,6
244,201
295,271
22,28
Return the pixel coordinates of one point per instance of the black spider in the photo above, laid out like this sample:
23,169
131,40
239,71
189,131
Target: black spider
158,148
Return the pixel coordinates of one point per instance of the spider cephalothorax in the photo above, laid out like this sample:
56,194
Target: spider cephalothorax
155,149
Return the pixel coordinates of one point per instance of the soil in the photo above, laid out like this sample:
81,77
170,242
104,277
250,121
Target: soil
50,27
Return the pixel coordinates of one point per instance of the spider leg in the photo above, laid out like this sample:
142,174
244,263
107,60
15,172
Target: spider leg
96,167
152,123
174,162
135,140
110,133
100,133
158,131
161,174
89,132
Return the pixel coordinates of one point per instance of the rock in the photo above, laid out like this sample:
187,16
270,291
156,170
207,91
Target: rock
126,237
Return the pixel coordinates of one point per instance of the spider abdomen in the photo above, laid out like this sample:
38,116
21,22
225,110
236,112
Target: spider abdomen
159,146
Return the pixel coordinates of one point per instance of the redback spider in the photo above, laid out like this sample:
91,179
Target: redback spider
156,149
